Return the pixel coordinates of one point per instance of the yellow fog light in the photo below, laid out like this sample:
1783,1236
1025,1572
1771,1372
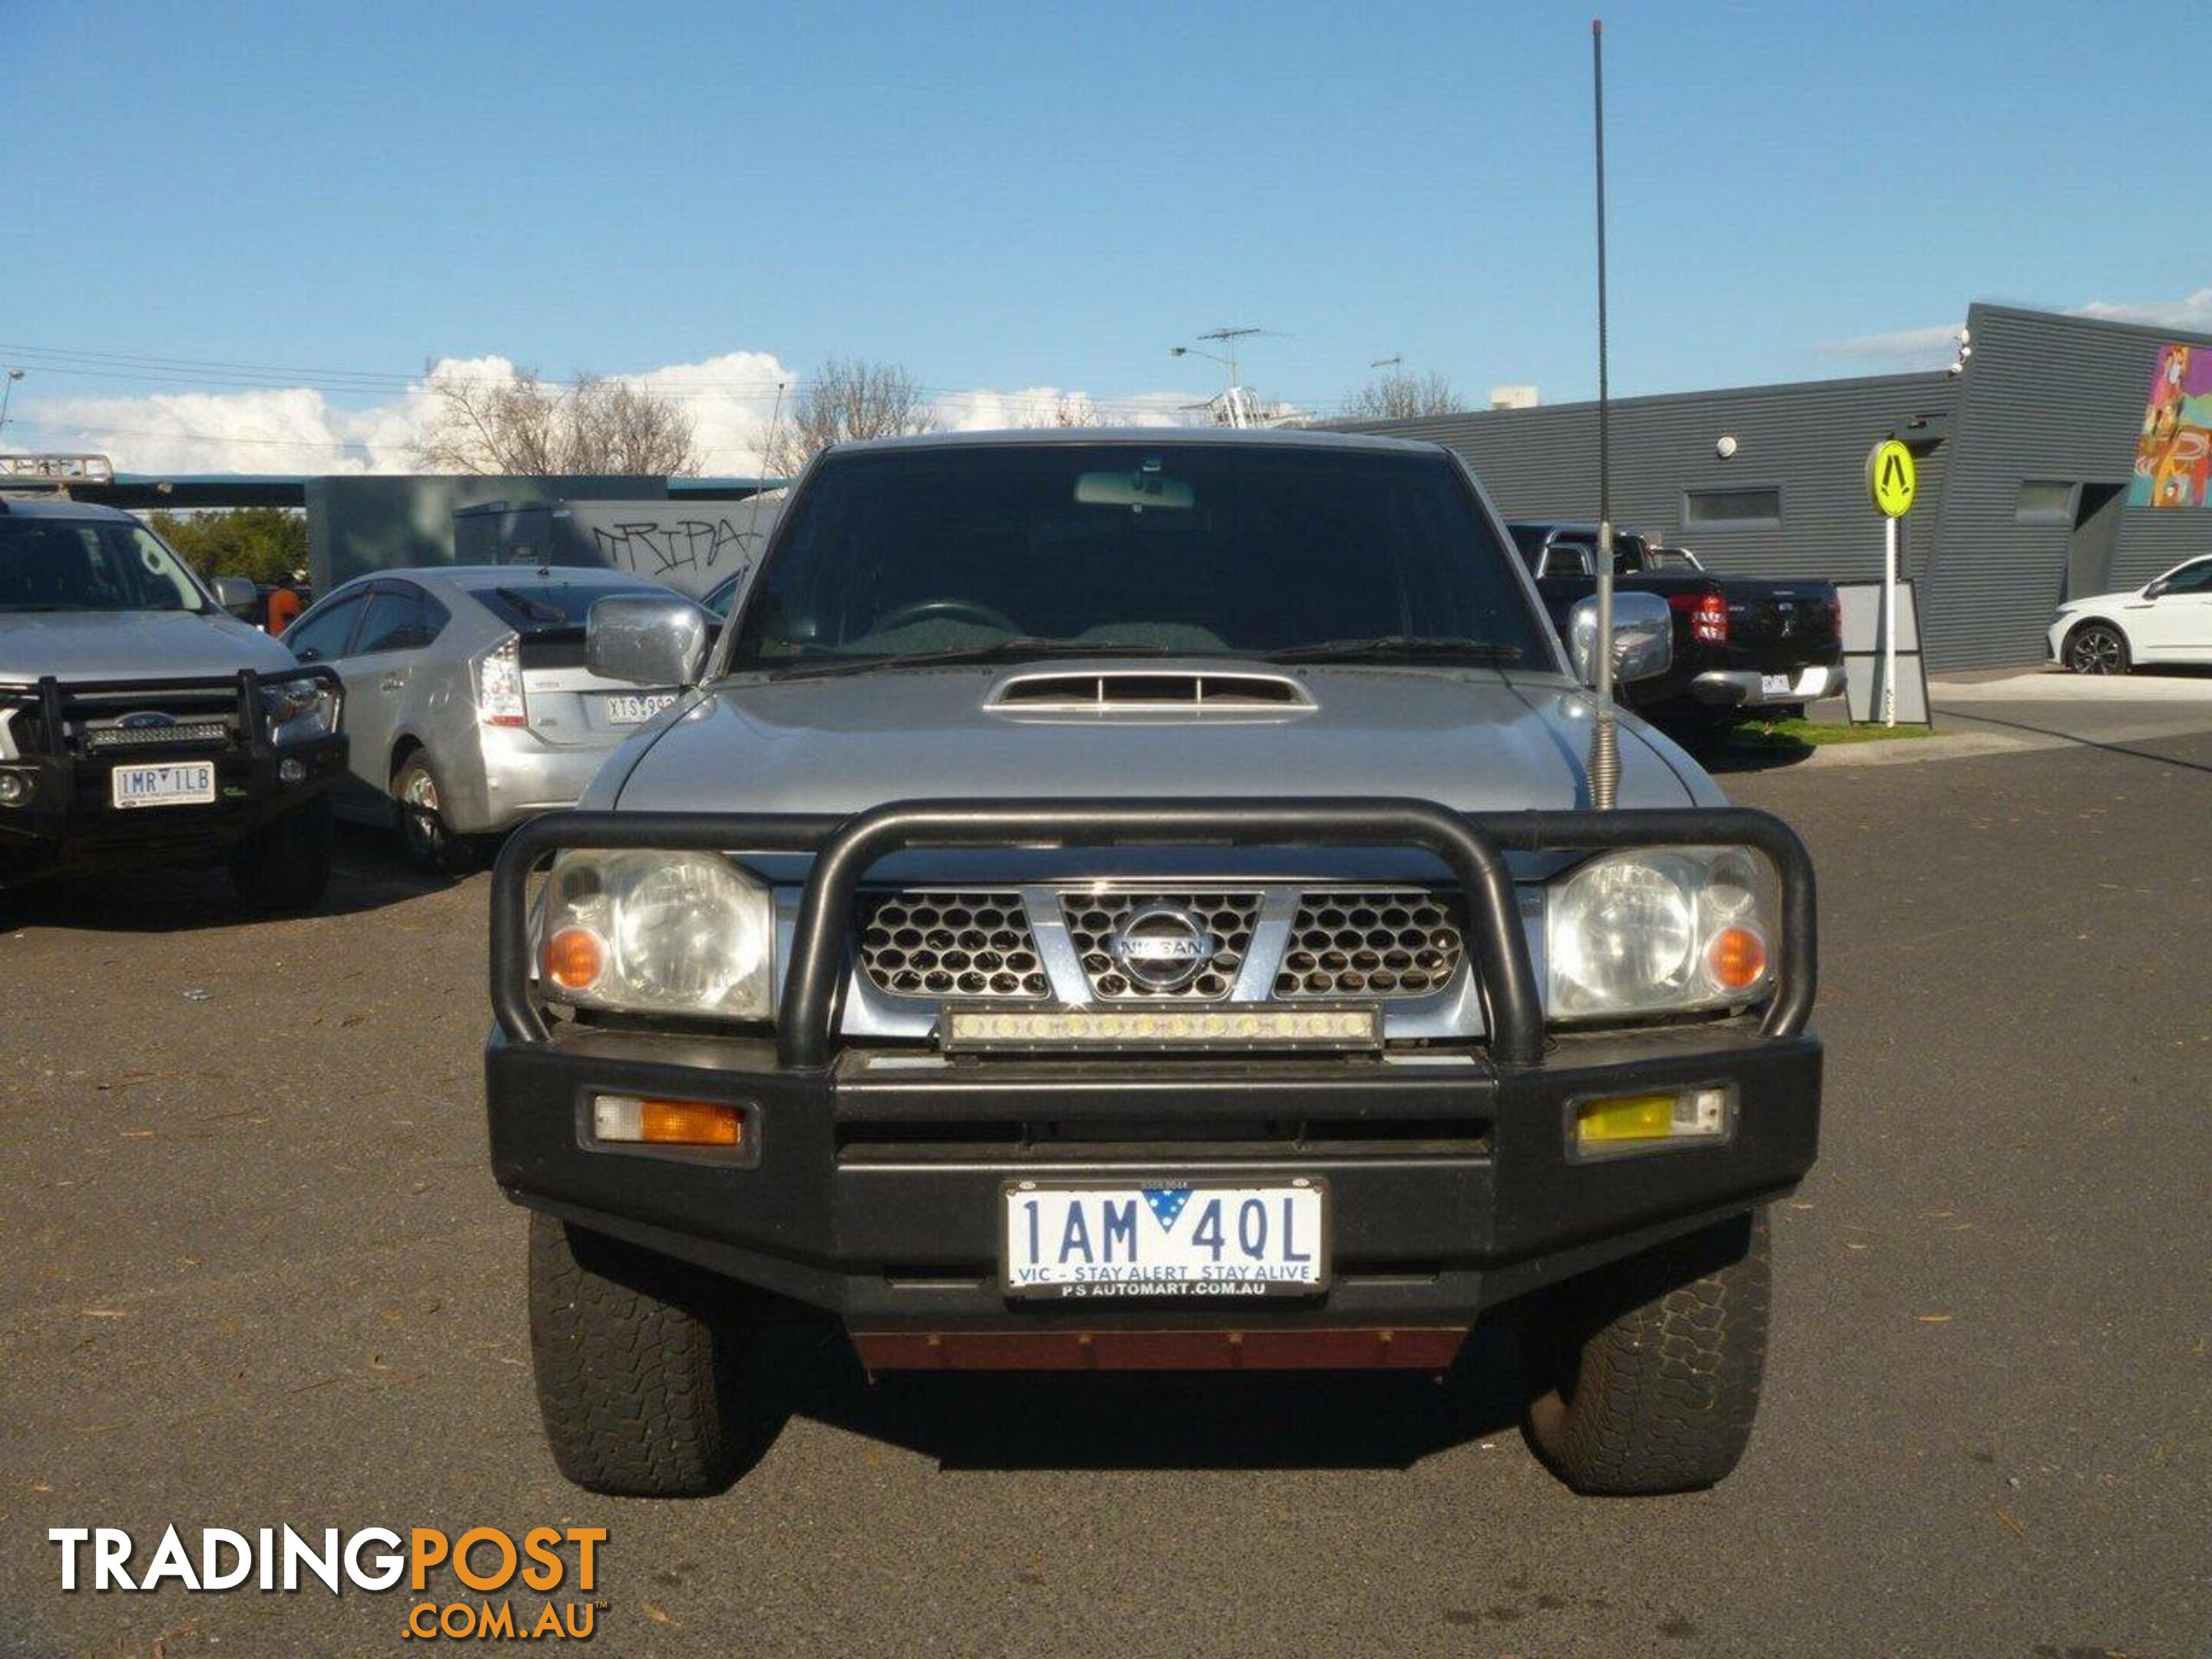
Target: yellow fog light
1643,1122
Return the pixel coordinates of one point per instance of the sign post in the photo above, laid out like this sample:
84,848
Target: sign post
1892,481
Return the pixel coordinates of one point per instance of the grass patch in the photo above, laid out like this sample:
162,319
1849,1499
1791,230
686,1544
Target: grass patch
1795,734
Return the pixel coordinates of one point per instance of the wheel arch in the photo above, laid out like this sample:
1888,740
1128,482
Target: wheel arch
2098,619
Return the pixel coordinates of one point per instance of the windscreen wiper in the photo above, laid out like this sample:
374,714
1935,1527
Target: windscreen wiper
1020,648
532,608
1405,648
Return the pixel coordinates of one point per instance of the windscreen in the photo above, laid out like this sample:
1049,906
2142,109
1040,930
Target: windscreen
1188,550
90,564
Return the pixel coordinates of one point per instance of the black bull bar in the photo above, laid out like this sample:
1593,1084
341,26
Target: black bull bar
1472,846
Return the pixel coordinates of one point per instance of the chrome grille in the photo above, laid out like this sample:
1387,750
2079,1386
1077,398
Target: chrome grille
950,943
1093,919
1371,942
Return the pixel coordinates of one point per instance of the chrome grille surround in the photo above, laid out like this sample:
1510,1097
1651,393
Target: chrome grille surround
1380,942
950,942
1227,917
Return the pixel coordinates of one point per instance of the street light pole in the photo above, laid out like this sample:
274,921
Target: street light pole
6,392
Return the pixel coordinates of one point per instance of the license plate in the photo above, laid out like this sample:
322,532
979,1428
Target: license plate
1777,686
637,710
1188,1238
190,783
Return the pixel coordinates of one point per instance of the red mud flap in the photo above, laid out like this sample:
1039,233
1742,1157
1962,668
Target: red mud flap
1420,1350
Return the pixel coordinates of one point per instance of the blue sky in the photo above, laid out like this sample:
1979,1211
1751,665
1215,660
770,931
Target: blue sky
1050,196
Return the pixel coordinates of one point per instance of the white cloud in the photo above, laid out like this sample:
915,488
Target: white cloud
1933,347
2193,313
1906,348
293,430
732,399
986,411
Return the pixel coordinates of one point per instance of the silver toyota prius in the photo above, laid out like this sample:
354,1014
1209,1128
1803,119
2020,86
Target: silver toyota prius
467,701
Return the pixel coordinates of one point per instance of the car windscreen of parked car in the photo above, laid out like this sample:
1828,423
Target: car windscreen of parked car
1193,549
83,564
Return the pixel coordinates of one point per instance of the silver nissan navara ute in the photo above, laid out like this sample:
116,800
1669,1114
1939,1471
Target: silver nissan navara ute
141,723
1133,900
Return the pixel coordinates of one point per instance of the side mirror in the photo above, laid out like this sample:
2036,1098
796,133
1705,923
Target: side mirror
647,641
2156,588
236,594
1643,638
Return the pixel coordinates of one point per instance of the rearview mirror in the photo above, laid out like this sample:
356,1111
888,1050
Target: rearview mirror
236,594
646,640
1140,488
1643,638
2156,588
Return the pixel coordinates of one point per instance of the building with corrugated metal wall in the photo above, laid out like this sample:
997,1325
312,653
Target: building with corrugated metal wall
2029,487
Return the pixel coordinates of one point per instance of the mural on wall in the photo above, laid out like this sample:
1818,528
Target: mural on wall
2174,456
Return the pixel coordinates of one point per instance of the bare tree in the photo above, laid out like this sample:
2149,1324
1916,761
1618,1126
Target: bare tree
1068,409
1398,395
530,426
846,399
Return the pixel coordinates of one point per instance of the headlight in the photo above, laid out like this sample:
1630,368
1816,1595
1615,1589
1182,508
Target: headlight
299,708
1658,932
666,933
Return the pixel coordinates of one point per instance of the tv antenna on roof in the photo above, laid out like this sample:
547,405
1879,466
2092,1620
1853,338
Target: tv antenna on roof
1236,402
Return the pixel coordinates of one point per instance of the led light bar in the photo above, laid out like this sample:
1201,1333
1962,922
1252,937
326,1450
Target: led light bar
1231,1026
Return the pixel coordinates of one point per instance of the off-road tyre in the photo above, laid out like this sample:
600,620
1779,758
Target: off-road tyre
1647,1373
418,811
642,1364
285,867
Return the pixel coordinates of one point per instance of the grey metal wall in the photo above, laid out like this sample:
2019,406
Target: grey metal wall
390,521
1808,440
2044,397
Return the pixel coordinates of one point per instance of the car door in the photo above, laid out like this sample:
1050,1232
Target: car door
2173,622
323,634
386,653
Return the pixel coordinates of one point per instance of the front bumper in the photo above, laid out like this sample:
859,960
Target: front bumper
1746,688
63,820
875,1190
873,1185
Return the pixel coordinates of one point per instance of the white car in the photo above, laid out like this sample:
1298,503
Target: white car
2168,621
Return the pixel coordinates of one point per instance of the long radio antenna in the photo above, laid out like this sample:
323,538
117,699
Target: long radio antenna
1604,738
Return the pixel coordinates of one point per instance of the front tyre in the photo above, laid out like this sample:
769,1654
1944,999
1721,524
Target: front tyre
285,865
2098,647
1647,1372
642,1379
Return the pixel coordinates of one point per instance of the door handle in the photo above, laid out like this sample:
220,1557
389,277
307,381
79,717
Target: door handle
394,682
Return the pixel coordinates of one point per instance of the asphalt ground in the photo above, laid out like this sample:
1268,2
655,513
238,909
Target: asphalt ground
253,1272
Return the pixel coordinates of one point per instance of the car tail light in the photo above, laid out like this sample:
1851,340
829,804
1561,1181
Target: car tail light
1706,614
500,700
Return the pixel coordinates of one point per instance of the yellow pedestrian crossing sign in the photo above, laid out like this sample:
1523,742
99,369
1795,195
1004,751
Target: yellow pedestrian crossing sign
1892,478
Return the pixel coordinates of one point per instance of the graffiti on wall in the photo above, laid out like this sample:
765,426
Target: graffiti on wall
2173,455
665,548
